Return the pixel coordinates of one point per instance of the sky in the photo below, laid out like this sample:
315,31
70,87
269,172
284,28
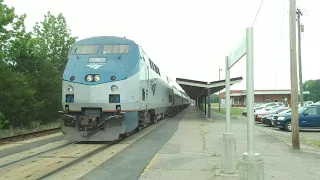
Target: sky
191,38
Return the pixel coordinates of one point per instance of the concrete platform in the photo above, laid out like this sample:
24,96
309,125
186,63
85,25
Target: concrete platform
195,149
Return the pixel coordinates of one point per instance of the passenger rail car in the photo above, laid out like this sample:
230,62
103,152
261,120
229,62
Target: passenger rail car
111,87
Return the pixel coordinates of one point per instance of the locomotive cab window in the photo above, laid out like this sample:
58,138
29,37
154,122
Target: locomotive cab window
85,49
116,49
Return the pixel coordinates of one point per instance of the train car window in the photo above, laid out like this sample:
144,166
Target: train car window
86,49
116,49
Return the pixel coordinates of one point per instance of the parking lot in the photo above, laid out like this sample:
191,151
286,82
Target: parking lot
310,136
275,119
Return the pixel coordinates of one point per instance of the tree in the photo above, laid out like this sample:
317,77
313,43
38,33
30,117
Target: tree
53,41
31,68
16,97
17,103
313,86
6,18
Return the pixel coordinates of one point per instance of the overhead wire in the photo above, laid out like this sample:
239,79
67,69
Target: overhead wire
255,18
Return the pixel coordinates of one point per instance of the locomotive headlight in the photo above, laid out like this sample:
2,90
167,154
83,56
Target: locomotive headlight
89,78
96,77
114,88
70,89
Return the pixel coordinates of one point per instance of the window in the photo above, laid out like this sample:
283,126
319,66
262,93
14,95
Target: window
86,49
116,49
312,111
236,100
267,99
170,98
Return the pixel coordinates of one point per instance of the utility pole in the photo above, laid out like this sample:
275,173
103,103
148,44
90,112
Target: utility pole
219,90
294,78
299,53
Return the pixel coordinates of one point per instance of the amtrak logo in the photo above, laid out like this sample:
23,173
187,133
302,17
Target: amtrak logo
95,65
153,88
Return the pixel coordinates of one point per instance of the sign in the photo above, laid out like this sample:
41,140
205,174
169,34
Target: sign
97,60
238,52
95,65
306,92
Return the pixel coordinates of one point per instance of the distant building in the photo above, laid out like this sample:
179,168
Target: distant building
238,97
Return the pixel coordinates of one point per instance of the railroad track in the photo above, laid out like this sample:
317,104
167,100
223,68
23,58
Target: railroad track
49,163
82,158
26,136
94,152
13,162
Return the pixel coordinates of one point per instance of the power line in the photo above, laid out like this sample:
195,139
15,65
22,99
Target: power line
255,18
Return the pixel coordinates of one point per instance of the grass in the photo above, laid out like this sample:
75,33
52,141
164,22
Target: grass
18,131
234,111
314,142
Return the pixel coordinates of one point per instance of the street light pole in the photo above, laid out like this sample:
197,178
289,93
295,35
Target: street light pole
299,13
219,90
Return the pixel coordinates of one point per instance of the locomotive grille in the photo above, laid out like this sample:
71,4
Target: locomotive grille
114,98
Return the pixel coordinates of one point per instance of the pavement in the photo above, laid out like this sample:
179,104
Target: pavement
195,149
189,146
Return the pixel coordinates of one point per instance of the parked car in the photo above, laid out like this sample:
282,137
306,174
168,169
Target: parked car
244,113
274,104
268,119
309,118
259,107
267,111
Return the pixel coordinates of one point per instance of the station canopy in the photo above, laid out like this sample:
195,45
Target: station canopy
196,89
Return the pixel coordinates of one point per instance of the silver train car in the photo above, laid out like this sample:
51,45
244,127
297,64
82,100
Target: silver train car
111,88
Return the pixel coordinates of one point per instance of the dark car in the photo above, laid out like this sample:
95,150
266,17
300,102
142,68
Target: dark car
309,118
268,119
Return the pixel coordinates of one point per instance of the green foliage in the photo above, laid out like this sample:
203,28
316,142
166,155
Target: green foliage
3,121
214,98
313,86
31,68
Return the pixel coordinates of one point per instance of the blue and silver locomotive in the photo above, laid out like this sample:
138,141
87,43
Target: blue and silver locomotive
110,87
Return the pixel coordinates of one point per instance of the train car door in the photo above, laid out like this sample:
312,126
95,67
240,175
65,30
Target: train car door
173,97
146,83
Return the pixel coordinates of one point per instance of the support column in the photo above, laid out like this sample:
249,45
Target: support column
251,166
228,163
196,104
209,103
205,103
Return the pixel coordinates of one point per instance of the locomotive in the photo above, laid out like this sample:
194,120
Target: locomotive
111,88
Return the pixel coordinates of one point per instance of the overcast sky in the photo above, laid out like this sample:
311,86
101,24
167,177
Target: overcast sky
190,38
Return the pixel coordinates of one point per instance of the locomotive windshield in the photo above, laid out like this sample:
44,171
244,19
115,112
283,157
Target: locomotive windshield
86,49
116,49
